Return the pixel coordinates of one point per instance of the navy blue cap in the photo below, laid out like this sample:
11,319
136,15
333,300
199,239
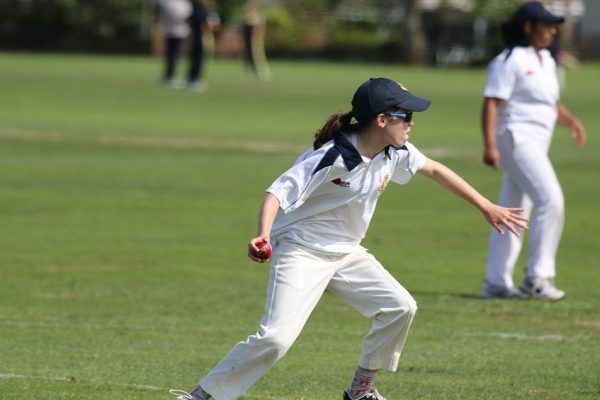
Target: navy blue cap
381,94
534,10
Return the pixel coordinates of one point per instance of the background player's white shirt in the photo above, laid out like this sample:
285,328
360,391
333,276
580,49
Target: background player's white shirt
174,16
328,197
530,89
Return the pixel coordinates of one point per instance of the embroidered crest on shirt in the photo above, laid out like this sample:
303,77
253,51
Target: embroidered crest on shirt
340,182
386,180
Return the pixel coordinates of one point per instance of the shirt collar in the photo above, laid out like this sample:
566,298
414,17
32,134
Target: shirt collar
350,155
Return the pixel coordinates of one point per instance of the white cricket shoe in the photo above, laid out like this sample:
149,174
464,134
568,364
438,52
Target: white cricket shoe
181,394
173,83
372,394
491,291
542,288
199,86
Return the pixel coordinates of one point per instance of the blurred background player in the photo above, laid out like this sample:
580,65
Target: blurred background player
173,16
521,107
253,33
315,216
204,21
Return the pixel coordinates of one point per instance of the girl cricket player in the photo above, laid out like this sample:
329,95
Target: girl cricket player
521,107
315,216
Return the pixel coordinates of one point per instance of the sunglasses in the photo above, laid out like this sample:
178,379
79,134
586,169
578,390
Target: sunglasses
407,117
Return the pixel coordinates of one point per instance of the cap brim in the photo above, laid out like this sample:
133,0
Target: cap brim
553,19
414,103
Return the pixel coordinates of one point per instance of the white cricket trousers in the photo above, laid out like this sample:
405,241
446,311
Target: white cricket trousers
529,182
297,279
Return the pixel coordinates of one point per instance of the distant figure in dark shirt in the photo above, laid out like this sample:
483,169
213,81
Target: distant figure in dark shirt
201,20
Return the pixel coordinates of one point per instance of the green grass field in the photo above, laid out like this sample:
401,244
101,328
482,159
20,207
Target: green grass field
125,209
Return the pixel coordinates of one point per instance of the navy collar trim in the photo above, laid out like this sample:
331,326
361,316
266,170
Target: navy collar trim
350,155
397,148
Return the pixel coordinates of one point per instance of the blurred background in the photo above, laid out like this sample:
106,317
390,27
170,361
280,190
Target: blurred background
432,32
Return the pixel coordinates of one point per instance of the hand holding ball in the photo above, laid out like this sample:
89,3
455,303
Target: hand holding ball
264,250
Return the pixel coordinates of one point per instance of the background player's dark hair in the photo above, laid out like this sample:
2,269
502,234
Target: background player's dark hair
513,32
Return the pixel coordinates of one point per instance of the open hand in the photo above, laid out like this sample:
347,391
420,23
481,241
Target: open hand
499,216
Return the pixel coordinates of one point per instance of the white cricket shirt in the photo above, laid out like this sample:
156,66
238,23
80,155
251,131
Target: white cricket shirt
530,90
174,16
328,197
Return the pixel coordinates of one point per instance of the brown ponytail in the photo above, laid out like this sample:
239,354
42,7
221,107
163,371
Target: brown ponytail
335,123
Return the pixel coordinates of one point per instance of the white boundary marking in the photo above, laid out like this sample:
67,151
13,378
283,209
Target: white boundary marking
251,146
523,336
88,326
152,142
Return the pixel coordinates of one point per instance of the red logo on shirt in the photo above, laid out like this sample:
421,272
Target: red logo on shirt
340,182
529,72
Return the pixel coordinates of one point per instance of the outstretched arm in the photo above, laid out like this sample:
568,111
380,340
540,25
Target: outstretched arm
493,213
266,216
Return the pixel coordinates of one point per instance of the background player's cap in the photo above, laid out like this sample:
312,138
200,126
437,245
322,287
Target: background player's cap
534,10
381,94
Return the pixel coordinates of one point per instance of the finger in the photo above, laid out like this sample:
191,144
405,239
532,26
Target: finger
255,259
520,225
251,254
518,220
497,227
513,230
516,217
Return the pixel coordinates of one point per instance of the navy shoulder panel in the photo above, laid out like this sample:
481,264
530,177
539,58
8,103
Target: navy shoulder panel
341,147
328,159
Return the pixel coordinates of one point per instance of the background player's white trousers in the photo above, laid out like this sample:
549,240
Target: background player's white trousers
529,182
297,280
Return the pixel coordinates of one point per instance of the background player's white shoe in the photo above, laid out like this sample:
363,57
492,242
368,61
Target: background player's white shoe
542,288
502,292
372,394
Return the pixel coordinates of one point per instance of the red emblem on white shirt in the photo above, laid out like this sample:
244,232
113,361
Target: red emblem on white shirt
340,182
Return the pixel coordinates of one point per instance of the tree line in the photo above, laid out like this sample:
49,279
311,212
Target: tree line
382,30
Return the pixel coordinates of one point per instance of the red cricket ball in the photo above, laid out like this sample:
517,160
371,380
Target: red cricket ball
264,250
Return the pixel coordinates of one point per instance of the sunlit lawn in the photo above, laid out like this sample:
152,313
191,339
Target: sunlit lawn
125,208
